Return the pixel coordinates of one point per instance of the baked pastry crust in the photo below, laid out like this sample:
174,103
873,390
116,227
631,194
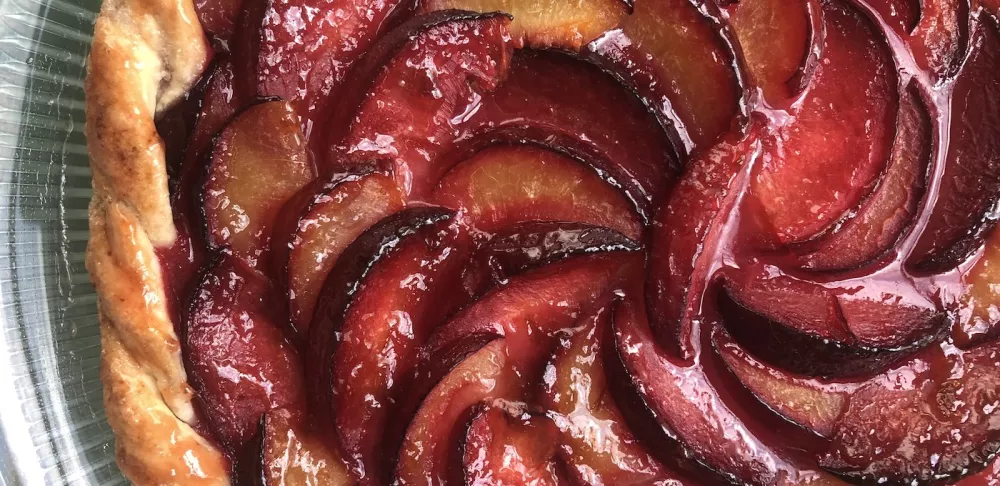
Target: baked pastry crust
146,55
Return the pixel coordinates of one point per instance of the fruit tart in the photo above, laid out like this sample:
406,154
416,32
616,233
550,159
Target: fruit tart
514,242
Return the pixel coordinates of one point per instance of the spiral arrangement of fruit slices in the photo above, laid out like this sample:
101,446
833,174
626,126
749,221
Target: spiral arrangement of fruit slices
592,241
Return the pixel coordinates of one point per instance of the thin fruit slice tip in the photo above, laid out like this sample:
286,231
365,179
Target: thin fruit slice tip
505,443
559,24
287,452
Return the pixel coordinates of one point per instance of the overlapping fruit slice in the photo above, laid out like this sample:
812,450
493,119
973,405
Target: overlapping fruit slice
288,453
596,446
688,406
300,50
407,120
259,161
557,101
317,225
679,58
563,24
237,357
881,219
688,228
776,38
810,177
403,297
507,444
503,185
966,200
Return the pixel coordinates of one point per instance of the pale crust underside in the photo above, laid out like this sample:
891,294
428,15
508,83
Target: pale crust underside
146,55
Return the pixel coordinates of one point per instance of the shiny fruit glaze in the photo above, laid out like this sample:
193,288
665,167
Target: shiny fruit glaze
593,242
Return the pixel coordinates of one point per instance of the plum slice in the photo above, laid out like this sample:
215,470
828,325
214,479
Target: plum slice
408,117
901,15
685,403
429,450
932,419
964,207
596,444
301,50
402,299
941,36
679,58
979,310
500,186
558,101
261,144
851,95
219,17
505,444
521,247
342,285
288,453
775,37
535,305
238,360
316,226
808,402
684,237
885,214
559,24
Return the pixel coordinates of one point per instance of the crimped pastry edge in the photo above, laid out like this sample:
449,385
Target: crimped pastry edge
146,54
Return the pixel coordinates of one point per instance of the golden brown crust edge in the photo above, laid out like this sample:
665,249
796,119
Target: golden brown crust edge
146,54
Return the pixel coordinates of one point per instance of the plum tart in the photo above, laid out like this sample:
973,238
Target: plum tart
534,242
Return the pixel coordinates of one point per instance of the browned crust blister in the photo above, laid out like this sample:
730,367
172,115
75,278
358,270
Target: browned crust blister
146,55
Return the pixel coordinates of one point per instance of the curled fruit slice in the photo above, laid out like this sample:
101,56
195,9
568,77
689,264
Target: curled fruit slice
316,226
408,117
238,360
678,56
261,144
564,24
596,444
965,208
810,177
506,185
428,448
403,298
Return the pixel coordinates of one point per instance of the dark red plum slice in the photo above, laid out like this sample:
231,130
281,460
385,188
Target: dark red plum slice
851,95
597,445
568,105
679,57
219,17
881,219
316,226
685,233
341,286
403,298
408,117
263,143
964,208
932,419
237,358
507,185
287,452
301,50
